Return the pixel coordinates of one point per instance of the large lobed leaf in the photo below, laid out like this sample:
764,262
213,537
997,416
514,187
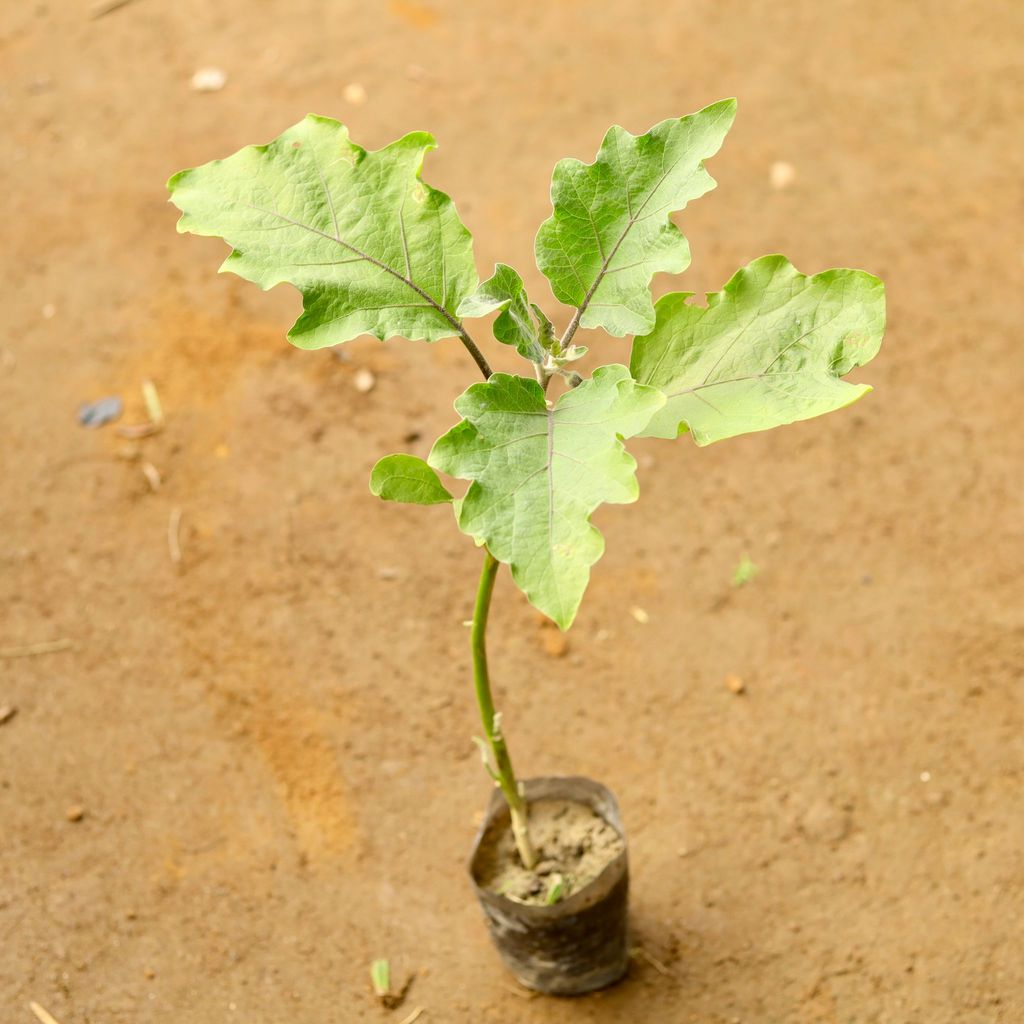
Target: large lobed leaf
610,232
373,249
770,348
539,472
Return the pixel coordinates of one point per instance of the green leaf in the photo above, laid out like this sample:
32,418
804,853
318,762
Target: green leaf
745,572
409,479
373,249
610,230
539,472
769,349
504,290
380,978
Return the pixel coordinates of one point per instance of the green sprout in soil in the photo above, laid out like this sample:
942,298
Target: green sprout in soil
375,250
745,572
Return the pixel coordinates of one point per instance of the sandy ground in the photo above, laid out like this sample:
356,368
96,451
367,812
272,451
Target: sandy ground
270,742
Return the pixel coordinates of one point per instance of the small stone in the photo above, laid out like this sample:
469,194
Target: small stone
130,914
49,311
388,573
822,822
7,712
354,93
640,615
150,973
209,80
75,812
96,414
545,867
364,381
781,175
734,684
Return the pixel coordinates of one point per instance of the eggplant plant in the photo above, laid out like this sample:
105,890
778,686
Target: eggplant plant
375,250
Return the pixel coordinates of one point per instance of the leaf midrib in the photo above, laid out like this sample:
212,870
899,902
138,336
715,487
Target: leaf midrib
338,240
630,224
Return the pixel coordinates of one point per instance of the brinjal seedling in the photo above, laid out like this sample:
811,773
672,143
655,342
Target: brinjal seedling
376,250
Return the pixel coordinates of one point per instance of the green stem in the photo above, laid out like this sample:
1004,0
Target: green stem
501,762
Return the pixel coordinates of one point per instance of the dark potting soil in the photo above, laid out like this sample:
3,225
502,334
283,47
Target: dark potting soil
574,844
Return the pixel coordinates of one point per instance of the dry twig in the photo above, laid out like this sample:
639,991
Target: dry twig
173,535
30,650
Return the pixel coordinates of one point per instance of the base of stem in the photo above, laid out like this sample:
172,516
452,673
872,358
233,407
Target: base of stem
521,834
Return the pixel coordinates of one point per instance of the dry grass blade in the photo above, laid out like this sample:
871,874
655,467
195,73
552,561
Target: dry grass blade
30,650
152,475
155,411
151,397
42,1015
102,7
639,951
414,1016
174,534
520,993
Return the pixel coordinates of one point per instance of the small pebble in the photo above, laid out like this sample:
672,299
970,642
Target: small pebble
364,381
7,712
49,311
388,573
150,973
640,615
355,94
781,175
209,80
75,813
734,684
95,414
822,822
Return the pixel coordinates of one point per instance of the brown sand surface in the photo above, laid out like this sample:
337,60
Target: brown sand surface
269,743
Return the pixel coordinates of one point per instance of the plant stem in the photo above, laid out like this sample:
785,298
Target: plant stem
478,356
501,767
574,323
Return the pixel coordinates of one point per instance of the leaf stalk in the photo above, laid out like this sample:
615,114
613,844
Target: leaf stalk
474,351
